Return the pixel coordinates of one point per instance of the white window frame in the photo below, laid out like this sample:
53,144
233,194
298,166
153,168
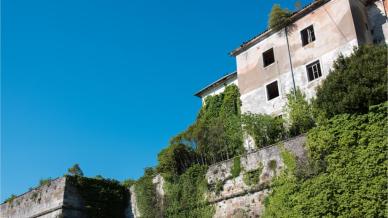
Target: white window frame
307,72
309,35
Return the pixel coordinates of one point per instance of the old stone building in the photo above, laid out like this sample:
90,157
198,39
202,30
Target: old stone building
301,55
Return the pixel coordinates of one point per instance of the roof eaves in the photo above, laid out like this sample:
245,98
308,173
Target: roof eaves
294,17
217,82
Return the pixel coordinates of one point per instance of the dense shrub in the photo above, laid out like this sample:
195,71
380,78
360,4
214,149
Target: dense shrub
349,156
146,197
216,135
185,197
299,112
355,82
103,198
264,129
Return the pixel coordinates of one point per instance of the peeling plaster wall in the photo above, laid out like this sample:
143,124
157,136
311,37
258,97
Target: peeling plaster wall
335,34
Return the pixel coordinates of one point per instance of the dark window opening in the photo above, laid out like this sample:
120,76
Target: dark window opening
307,35
314,71
268,57
272,90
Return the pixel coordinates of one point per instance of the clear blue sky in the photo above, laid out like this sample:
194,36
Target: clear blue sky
106,84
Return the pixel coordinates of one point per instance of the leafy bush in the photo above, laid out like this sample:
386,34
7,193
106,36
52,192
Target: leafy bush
236,167
102,197
299,112
264,129
174,160
185,196
44,181
350,154
355,82
146,197
216,135
278,17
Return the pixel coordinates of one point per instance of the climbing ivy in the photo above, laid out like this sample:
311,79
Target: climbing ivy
146,197
349,165
185,197
103,198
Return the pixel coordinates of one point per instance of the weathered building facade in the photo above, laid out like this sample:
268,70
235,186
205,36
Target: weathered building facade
301,55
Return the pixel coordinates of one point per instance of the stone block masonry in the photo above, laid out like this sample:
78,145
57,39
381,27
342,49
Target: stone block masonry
238,199
60,198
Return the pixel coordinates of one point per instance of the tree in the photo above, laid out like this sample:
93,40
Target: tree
355,82
299,112
279,18
75,170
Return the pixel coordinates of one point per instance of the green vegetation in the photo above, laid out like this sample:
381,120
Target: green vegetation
272,164
348,156
185,197
219,187
252,177
236,167
279,18
102,197
10,199
146,198
299,112
355,83
45,181
264,129
216,135
75,170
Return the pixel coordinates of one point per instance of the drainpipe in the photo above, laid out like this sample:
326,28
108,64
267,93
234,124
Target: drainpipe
289,58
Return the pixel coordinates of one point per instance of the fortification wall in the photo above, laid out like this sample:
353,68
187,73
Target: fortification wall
236,198
45,201
57,199
240,199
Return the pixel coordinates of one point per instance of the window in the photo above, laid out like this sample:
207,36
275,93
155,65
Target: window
307,35
272,90
314,71
268,57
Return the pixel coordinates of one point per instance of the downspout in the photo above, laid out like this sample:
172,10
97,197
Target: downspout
289,58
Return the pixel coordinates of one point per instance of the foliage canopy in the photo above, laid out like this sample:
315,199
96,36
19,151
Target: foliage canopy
355,83
348,155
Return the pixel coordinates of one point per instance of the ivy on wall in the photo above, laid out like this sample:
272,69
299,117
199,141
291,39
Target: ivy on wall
186,196
349,165
103,198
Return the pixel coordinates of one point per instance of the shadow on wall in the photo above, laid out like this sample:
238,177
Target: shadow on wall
379,19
